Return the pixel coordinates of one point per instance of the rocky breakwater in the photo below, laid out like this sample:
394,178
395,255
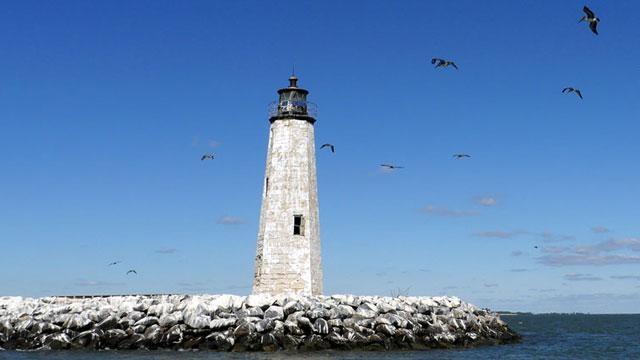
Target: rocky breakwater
253,323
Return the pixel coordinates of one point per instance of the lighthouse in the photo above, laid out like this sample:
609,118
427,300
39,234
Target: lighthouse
288,248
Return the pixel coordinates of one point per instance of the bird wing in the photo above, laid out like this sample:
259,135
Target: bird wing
579,93
567,89
387,166
594,27
324,146
203,157
435,60
588,12
333,149
454,65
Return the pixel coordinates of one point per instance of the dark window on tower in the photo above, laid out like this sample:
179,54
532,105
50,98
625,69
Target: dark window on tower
298,225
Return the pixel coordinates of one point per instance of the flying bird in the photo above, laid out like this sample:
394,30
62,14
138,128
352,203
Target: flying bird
591,18
391,167
443,63
461,156
535,247
207,157
132,272
568,90
114,263
330,146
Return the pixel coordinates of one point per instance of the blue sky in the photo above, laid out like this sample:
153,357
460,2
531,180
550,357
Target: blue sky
105,109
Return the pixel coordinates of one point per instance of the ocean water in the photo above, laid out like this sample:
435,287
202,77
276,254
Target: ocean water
551,336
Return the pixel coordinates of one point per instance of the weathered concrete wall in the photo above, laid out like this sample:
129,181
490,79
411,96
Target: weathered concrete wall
288,263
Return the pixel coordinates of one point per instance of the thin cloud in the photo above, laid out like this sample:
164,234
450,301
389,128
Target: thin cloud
625,277
632,244
543,290
554,249
551,236
387,170
234,287
519,270
446,212
516,253
607,297
166,251
487,201
600,229
581,277
96,283
490,285
230,220
595,260
213,143
499,234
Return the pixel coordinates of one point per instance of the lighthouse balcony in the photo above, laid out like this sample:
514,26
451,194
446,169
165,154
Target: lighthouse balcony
292,108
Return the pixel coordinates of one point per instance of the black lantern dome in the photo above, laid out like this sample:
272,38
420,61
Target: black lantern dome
292,104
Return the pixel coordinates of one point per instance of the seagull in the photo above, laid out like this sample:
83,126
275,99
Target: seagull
591,18
114,263
333,148
461,156
132,271
570,90
207,156
443,63
391,167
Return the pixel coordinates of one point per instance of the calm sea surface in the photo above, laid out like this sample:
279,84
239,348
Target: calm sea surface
545,337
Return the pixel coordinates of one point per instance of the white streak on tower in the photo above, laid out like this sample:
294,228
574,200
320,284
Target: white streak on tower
288,252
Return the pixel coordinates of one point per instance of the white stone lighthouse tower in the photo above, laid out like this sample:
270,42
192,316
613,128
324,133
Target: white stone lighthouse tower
288,253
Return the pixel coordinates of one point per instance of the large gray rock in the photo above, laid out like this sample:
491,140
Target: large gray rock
244,328
197,321
221,324
108,323
321,326
220,341
147,321
274,312
57,341
345,311
89,338
305,324
174,335
113,337
265,325
134,341
168,320
153,334
292,306
318,312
